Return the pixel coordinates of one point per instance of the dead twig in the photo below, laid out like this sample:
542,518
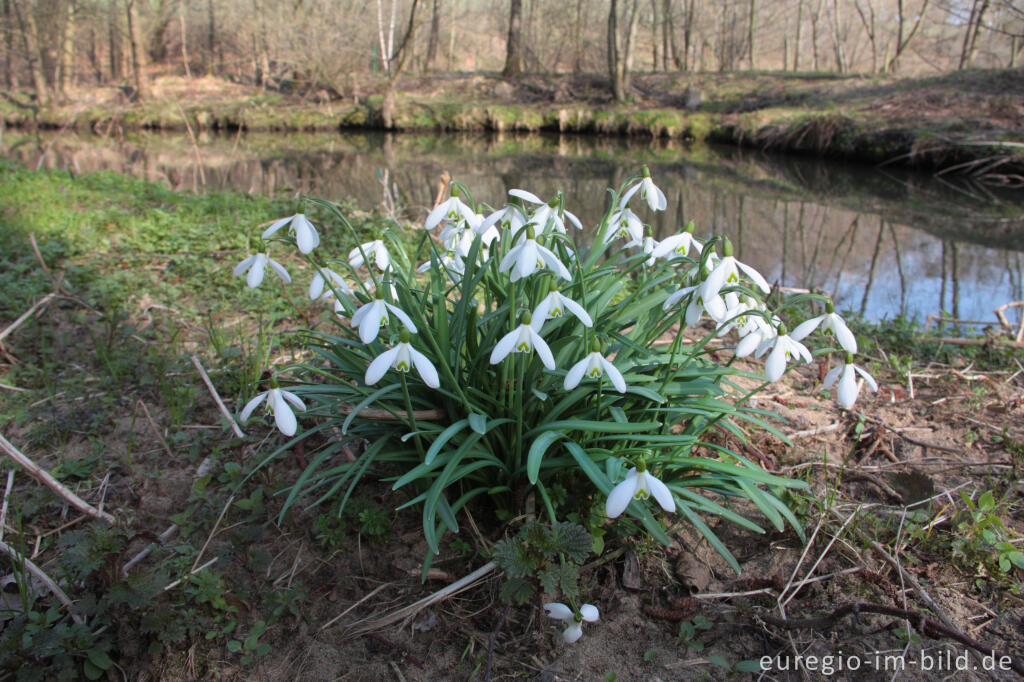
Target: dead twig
156,430
27,314
20,559
216,397
52,483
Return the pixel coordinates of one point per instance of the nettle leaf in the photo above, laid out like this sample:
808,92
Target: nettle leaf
573,540
513,558
548,578
568,580
516,591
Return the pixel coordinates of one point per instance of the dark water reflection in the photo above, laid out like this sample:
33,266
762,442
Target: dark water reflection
885,242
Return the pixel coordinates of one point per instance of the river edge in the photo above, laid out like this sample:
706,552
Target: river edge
971,123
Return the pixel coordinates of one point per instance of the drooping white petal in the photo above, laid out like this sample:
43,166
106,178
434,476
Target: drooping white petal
400,314
380,366
753,274
370,321
528,197
426,368
255,276
575,374
621,495
847,341
614,374
306,237
555,265
244,265
661,493
250,406
653,195
868,378
543,351
577,310
589,613
279,270
847,391
295,400
775,365
505,346
283,415
558,611
832,375
628,195
574,220
526,263
275,226
436,215
805,328
573,632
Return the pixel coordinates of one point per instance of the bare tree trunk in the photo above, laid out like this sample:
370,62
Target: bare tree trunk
799,34
869,28
815,16
66,59
7,26
969,48
211,39
837,39
435,36
655,42
115,54
136,50
620,58
903,37
577,39
184,39
157,43
514,46
395,61
691,11
30,41
750,32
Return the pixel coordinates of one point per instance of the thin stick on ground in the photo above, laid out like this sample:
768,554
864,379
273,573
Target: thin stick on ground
20,559
156,429
216,397
52,483
7,494
26,315
414,608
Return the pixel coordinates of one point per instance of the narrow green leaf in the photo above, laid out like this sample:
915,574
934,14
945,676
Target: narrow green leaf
535,455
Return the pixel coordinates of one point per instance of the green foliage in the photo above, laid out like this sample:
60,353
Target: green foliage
983,541
689,634
548,556
509,430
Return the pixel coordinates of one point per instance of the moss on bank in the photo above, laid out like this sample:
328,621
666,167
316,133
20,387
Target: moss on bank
935,122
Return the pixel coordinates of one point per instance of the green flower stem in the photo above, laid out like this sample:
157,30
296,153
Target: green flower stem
411,416
519,389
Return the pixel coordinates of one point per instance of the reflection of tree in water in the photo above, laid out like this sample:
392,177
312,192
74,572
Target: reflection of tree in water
799,223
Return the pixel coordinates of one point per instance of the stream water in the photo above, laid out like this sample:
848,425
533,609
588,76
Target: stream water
885,242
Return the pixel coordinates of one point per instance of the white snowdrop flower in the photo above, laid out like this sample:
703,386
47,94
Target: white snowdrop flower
528,256
698,301
649,192
783,348
306,237
318,285
678,245
523,339
546,213
848,388
639,485
277,400
371,316
625,224
574,621
375,251
554,305
510,218
594,366
649,244
452,210
726,271
402,358
451,262
254,267
831,323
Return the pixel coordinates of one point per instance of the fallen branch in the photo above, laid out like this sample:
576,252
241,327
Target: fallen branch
53,484
924,625
20,559
996,342
398,415
27,314
414,608
216,397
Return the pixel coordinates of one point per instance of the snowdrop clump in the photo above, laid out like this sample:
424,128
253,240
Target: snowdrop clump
541,366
